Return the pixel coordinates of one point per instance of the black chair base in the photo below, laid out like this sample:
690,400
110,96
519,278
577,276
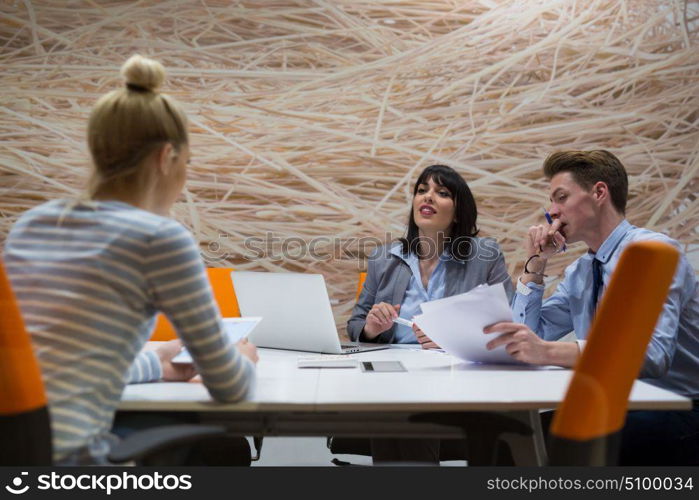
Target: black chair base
182,445
26,438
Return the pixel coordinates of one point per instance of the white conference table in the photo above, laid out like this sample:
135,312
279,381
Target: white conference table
349,402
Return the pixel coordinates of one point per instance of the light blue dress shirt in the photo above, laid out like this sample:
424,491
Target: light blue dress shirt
672,358
416,294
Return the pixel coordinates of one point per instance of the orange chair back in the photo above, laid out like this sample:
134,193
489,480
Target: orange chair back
21,386
224,293
596,402
25,425
360,284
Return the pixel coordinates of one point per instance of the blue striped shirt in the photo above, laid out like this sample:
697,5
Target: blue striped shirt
89,278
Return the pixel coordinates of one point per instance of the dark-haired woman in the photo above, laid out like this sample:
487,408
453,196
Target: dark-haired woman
440,256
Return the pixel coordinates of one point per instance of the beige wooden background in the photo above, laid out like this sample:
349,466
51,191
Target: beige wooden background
310,120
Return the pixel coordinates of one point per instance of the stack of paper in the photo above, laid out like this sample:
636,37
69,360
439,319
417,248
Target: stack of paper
456,323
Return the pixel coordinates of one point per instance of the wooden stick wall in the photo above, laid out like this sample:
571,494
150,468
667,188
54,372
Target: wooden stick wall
310,120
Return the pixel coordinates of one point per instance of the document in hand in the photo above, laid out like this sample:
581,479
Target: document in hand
456,323
234,328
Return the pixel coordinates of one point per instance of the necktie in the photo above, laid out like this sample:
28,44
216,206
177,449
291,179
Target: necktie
596,282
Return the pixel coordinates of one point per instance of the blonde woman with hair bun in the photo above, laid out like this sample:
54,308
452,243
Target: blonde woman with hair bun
141,73
91,274
132,124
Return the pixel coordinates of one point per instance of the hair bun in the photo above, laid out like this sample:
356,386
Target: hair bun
142,73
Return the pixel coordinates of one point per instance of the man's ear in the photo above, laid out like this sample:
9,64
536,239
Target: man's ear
165,157
600,191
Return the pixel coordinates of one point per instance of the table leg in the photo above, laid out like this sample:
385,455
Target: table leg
527,450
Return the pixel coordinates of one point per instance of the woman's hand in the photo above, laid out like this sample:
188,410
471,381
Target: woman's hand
174,372
380,318
247,349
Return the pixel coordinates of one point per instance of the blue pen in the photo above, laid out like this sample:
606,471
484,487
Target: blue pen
550,221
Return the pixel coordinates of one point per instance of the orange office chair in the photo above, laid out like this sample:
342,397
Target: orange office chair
586,427
24,417
224,293
360,284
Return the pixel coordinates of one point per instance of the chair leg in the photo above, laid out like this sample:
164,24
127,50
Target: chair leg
257,442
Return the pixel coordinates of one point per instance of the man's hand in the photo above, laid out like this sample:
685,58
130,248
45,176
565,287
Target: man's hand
173,372
380,318
540,243
544,240
524,345
423,339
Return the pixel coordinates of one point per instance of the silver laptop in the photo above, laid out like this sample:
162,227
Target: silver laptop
295,310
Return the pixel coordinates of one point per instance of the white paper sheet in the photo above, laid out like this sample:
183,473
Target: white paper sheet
234,328
456,323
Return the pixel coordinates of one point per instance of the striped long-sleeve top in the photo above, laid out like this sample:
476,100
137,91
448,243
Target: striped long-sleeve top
89,278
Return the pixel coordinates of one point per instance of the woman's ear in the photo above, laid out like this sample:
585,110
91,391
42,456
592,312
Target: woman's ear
165,157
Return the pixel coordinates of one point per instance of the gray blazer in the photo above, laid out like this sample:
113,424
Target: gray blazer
388,277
